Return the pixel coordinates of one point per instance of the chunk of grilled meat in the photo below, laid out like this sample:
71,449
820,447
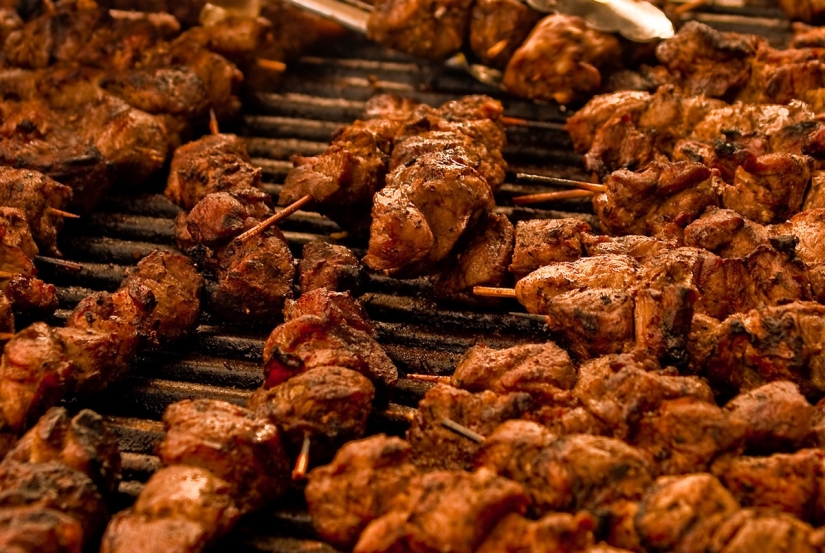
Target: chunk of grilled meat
561,532
432,29
560,60
221,216
137,534
726,233
540,242
330,405
231,443
498,28
214,163
357,487
444,511
37,529
82,443
435,447
330,266
766,528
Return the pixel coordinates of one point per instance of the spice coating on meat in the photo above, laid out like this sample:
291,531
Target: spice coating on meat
341,307
230,442
357,487
475,502
432,29
34,529
751,529
128,533
558,532
329,266
540,242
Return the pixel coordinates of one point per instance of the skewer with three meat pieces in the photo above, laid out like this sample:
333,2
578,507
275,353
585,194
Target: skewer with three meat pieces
55,484
240,457
158,301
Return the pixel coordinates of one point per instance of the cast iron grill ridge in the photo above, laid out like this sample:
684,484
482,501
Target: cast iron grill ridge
318,95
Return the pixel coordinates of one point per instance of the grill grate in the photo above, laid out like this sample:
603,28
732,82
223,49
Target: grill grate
317,96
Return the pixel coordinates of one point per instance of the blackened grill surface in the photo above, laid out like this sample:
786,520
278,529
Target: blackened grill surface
318,95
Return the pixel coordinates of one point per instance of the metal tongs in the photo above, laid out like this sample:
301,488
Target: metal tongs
636,20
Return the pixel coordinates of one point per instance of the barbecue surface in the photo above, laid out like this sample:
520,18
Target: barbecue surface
318,95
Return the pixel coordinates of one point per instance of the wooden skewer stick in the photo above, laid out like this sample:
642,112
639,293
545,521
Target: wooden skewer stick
552,196
272,65
60,262
462,430
490,292
400,412
61,213
689,7
515,122
6,336
430,378
497,48
283,214
301,465
7,274
213,122
541,179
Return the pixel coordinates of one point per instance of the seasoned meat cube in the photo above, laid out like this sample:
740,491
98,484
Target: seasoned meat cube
567,417
662,318
559,532
754,529
254,278
358,487
663,196
129,533
477,116
444,511
537,290
641,248
533,368
785,482
617,525
770,188
743,354
328,404
190,493
32,295
341,307
620,144
229,442
773,279
482,261
34,193
687,435
214,163
815,196
498,28
709,61
810,11
424,210
176,286
343,179
682,510
15,231
777,417
586,122
25,529
591,322
329,266
55,486
311,341
432,29
221,216
540,242
560,60
807,227
82,443
435,447
726,233
457,144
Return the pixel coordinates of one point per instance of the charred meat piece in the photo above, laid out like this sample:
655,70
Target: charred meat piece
34,193
482,261
35,529
330,405
762,528
341,307
221,216
32,295
54,486
435,447
683,512
176,286
777,417
584,125
641,248
726,233
687,435
785,482
329,266
560,60
708,61
310,341
254,278
82,443
357,487
540,242
560,532
232,444
444,511
214,163
538,369
432,29
498,28
424,210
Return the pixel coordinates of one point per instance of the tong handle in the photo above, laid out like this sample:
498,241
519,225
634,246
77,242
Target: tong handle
344,14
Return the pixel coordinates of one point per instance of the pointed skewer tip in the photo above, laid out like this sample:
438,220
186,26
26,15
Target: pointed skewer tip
490,292
302,464
462,430
61,213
